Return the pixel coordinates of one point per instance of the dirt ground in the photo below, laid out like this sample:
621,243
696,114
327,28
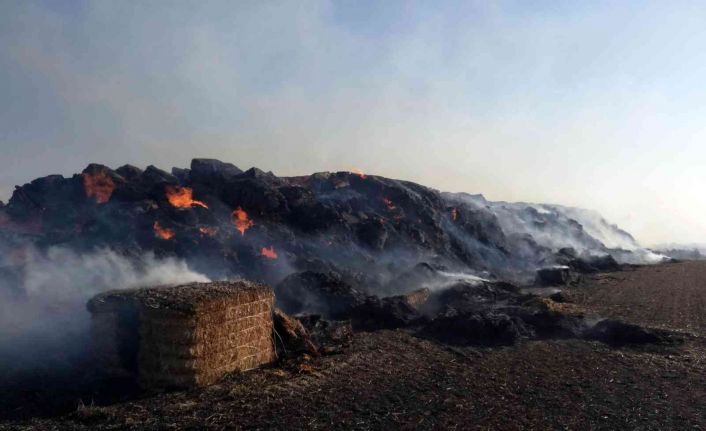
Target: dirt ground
393,380
670,296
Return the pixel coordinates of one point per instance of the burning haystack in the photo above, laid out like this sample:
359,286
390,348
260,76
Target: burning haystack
185,335
225,222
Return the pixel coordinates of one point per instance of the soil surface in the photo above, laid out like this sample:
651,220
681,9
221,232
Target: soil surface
393,380
670,296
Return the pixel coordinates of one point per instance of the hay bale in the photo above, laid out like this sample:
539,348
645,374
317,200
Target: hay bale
186,335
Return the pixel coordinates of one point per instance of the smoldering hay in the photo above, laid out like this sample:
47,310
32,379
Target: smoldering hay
224,222
359,240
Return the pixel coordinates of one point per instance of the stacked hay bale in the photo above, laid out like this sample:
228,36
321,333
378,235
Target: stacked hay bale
114,335
186,335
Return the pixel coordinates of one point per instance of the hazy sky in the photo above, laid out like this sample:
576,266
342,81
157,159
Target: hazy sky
593,104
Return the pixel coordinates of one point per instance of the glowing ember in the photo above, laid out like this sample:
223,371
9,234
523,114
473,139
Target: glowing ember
209,231
163,232
391,206
182,197
358,172
453,213
98,186
241,220
269,253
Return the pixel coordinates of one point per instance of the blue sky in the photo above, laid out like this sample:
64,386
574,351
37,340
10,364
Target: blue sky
592,104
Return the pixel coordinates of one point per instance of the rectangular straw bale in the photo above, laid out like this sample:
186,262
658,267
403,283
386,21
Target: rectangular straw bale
104,339
231,341
241,359
176,377
233,312
215,311
191,334
194,334
164,347
201,355
185,299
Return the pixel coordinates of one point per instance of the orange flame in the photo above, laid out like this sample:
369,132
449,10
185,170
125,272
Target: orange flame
182,197
269,253
163,232
98,186
207,230
391,206
241,220
358,172
453,213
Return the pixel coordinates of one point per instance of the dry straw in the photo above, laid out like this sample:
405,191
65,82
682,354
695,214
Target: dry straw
186,335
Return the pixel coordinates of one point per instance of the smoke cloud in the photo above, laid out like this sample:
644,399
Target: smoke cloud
43,319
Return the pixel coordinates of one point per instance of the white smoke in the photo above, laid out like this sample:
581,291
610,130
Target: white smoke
447,279
598,227
45,311
556,227
61,273
640,256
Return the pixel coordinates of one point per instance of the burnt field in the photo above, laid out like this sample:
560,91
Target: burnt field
392,379
668,296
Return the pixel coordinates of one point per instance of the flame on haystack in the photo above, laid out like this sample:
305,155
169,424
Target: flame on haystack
182,197
269,253
99,186
390,205
453,214
163,232
208,230
241,220
358,172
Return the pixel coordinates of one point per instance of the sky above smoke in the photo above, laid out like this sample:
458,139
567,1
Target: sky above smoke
592,104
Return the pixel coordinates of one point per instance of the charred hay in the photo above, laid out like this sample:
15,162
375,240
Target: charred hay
358,224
